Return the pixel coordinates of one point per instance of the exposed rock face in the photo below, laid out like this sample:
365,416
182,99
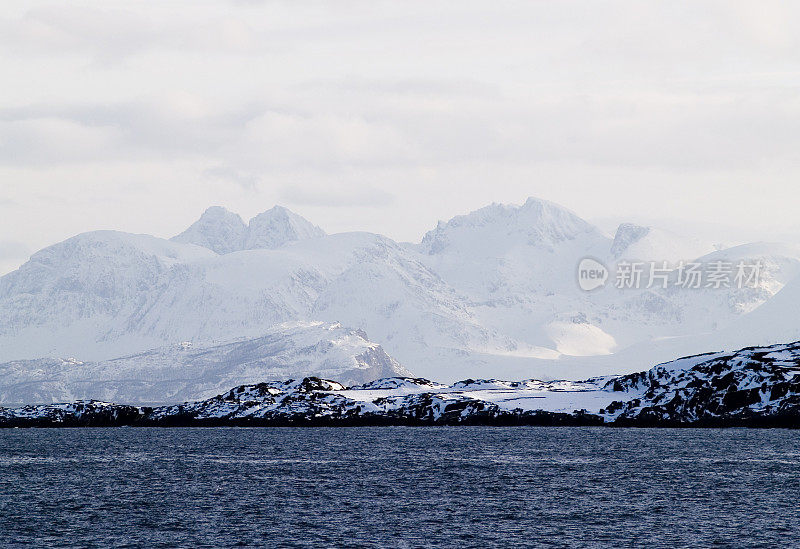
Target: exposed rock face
748,386
627,234
752,387
310,401
83,413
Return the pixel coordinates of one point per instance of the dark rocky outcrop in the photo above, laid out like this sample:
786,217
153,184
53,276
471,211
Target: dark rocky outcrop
753,387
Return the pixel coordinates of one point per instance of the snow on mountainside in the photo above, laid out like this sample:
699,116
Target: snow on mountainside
276,227
516,267
746,386
536,223
500,249
181,372
85,308
711,309
217,229
756,387
492,293
225,232
776,320
638,243
66,297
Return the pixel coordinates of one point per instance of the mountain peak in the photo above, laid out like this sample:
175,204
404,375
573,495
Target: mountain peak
218,212
627,234
535,222
277,226
224,232
541,203
217,229
642,243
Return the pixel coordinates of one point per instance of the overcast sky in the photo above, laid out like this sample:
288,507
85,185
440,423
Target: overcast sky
387,116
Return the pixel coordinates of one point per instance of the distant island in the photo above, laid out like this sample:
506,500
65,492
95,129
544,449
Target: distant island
752,387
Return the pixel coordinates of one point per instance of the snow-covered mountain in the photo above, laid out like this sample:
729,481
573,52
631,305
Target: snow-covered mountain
492,293
184,371
102,295
515,266
224,232
638,243
218,230
756,387
276,227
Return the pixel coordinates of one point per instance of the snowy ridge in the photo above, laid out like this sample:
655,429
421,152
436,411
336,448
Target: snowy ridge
488,294
217,229
756,382
637,243
224,232
192,372
276,227
536,223
753,386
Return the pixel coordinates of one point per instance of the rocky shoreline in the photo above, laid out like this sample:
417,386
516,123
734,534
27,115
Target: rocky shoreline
753,387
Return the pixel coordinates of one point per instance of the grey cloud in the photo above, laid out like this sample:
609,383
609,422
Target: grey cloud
439,87
337,196
13,249
243,98
672,130
111,34
245,180
58,134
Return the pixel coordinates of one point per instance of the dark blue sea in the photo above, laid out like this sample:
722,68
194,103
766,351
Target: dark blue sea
399,487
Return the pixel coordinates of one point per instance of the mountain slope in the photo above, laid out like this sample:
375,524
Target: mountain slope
500,249
129,295
217,229
276,227
67,297
638,243
756,387
516,267
224,232
489,293
184,371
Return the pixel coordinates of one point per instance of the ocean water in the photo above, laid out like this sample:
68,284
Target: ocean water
399,487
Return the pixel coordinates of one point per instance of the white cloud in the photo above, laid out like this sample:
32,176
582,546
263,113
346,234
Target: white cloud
337,196
122,116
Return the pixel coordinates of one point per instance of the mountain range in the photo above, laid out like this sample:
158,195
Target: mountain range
492,293
185,371
752,387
